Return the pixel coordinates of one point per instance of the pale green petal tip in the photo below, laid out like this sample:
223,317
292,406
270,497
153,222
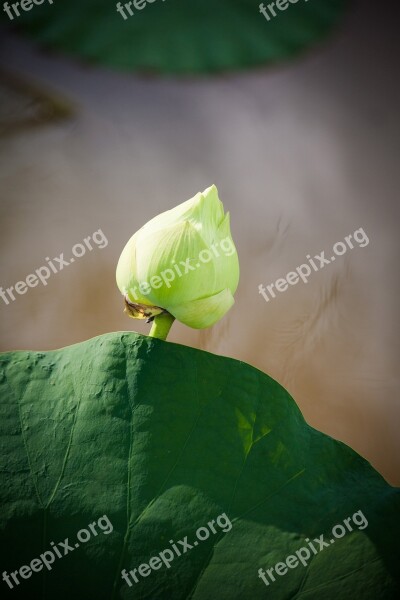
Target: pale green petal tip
211,209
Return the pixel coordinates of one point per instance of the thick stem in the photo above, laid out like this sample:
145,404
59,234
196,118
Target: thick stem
161,325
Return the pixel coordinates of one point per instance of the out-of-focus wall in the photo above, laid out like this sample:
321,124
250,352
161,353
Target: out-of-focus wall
303,155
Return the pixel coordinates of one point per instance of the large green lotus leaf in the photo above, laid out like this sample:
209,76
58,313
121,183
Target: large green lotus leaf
181,36
161,439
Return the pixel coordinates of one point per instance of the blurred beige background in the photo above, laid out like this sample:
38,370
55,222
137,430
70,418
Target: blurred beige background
302,154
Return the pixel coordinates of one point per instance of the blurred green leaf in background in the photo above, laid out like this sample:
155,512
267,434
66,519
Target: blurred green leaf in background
181,36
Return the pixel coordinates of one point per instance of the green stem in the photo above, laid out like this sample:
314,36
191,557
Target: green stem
161,326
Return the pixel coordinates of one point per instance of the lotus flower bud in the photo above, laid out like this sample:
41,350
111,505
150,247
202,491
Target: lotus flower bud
183,262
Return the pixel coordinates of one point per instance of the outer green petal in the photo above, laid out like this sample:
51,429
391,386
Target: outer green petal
156,253
228,268
204,312
126,275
